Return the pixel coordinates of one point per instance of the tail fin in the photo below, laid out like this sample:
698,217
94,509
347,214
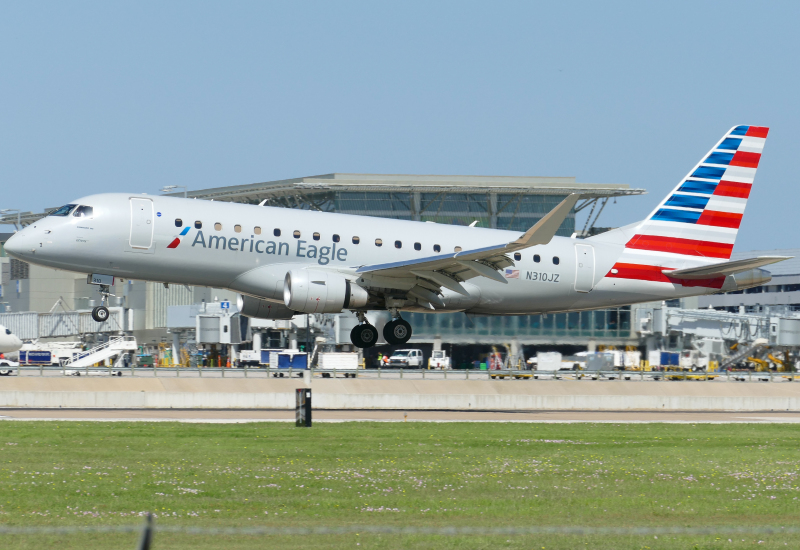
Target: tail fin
701,217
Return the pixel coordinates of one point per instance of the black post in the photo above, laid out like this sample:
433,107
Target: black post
147,534
302,418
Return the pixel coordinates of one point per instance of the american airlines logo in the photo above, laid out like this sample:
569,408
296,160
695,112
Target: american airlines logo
177,241
323,254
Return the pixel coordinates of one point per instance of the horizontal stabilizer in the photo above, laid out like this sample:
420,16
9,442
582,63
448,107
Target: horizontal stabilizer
723,269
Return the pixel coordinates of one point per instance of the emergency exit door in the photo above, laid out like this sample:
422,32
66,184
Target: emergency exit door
584,267
141,223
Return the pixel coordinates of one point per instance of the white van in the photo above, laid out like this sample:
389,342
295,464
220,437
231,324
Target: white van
406,358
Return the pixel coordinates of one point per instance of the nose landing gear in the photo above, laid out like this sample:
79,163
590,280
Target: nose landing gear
101,313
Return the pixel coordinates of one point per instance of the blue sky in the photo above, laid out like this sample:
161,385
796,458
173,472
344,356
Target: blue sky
113,96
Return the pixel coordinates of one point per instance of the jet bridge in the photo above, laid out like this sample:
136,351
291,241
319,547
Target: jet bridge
729,338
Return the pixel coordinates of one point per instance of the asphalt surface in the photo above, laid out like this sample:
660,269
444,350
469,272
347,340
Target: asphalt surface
241,416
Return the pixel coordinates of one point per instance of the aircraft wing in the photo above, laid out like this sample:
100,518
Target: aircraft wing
724,268
448,269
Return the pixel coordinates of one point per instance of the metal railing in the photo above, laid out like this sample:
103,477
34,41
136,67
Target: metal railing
416,374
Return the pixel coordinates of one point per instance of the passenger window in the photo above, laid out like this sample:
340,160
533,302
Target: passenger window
457,249
537,258
517,256
437,248
218,226
356,240
296,234
276,232
556,260
398,244
378,242
83,212
237,228
257,230
178,222
316,236
335,238
417,246
198,224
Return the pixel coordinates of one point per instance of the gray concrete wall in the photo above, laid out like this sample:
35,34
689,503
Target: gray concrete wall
398,394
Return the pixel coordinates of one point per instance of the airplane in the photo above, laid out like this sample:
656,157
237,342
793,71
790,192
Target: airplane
283,262
9,342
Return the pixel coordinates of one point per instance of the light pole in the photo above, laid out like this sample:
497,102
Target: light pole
17,225
171,187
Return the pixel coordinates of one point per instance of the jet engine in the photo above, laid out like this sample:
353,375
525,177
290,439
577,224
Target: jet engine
313,291
262,309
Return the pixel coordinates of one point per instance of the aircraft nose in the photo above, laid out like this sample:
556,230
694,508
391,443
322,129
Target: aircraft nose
16,245
12,245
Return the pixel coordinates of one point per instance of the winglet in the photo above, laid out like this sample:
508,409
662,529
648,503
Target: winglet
545,229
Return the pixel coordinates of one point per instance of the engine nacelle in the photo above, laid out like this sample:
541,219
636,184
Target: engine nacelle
313,291
262,309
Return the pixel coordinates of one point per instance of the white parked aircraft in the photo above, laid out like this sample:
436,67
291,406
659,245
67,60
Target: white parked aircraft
285,261
8,341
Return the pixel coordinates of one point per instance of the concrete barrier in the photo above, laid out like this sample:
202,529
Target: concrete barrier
359,394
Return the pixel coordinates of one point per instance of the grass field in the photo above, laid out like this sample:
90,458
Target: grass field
397,474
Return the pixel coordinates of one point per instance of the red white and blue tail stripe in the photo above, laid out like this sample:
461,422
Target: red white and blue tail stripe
699,220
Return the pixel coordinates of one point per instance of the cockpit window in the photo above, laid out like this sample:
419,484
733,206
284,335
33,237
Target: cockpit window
64,210
83,212
8,331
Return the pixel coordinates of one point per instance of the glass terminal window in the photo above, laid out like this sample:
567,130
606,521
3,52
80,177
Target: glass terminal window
64,210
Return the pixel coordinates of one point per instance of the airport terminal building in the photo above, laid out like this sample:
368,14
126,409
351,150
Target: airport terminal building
513,203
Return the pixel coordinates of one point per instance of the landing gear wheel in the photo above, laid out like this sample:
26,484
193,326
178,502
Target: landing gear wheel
364,336
397,332
100,314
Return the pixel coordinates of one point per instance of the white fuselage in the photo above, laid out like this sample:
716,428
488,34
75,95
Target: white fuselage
8,341
237,246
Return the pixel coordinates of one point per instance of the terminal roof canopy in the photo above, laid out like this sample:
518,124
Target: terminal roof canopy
320,192
397,183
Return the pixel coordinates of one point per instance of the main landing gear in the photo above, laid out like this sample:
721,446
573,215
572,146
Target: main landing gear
101,313
395,332
363,335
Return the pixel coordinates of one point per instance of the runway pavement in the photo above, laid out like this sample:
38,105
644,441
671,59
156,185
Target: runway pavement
243,416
